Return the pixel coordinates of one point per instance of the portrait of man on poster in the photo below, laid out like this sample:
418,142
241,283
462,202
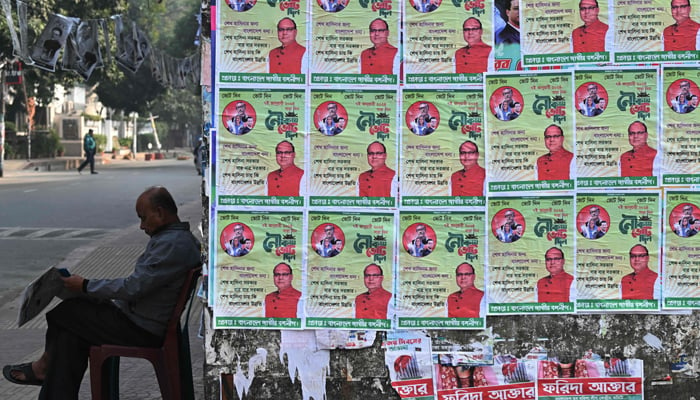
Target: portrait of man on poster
374,303
240,123
289,58
506,106
683,102
284,302
505,233
420,246
333,5
558,163
593,35
684,34
286,180
380,180
240,5
476,56
381,57
591,229
510,13
468,301
236,246
556,287
327,245
468,181
332,123
426,6
640,160
643,283
424,124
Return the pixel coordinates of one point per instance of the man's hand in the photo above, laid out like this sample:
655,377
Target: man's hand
74,283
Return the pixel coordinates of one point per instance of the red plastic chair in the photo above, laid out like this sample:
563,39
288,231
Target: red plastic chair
166,359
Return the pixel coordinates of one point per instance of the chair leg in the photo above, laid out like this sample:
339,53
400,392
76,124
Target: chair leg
112,371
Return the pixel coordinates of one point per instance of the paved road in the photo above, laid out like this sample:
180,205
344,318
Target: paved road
46,215
96,250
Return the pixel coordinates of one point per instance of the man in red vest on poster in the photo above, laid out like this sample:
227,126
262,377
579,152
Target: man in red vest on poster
642,284
380,58
283,302
467,301
555,288
288,58
685,33
378,181
592,35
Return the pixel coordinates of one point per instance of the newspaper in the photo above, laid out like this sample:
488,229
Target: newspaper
38,294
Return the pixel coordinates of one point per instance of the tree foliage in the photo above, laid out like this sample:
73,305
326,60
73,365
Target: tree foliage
169,28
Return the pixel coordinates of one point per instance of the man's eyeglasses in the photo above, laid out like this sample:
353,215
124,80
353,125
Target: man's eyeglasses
373,275
459,274
286,29
471,29
639,255
680,7
552,136
281,274
552,259
630,133
377,30
587,8
468,152
284,153
375,153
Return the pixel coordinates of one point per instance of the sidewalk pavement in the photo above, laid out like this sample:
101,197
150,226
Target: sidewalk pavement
12,167
111,259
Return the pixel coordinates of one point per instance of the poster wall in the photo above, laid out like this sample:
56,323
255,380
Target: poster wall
618,251
261,147
354,148
350,272
259,270
681,266
530,132
442,148
441,270
376,117
616,128
681,125
531,255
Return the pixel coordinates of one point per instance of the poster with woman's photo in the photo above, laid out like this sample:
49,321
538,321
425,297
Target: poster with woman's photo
350,271
531,263
681,262
680,141
530,138
260,148
441,270
258,271
618,251
616,128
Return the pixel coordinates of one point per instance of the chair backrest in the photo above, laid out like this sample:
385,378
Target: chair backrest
185,293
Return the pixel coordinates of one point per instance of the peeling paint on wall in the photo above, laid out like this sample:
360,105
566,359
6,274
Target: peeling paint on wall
243,382
306,362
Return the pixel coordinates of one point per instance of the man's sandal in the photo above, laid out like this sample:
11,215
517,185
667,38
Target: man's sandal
26,369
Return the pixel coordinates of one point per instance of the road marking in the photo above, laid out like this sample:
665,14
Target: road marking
30,190
55,233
